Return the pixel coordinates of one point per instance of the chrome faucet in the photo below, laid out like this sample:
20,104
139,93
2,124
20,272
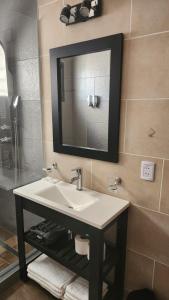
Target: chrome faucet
77,178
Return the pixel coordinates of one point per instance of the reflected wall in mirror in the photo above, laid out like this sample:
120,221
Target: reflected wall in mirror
86,85
85,100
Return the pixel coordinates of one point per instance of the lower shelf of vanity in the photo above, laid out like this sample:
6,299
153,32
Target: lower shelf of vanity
63,252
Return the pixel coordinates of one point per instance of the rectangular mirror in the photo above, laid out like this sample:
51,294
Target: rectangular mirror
86,81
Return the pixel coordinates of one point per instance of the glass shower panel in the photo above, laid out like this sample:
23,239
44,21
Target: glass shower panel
9,137
21,158
20,107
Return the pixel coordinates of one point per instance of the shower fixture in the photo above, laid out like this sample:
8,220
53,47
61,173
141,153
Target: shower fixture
15,102
16,137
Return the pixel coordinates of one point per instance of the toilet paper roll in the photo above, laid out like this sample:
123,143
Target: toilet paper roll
81,245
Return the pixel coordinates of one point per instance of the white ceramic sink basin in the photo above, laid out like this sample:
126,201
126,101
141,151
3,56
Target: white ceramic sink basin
88,206
65,194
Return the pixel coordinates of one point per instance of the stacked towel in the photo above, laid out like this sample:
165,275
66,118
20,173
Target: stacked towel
50,275
79,290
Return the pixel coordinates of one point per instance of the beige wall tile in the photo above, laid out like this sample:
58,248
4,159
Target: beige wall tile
66,163
161,286
165,189
149,16
142,117
138,191
47,129
115,19
51,30
48,152
139,271
122,125
45,78
148,234
146,68
44,2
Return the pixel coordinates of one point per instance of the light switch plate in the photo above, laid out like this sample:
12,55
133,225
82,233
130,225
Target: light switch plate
147,170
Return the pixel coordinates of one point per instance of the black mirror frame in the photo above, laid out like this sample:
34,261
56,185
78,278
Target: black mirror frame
115,44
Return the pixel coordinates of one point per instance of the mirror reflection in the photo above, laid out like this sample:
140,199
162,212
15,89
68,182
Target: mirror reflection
85,89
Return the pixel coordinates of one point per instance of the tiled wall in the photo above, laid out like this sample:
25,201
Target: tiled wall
145,106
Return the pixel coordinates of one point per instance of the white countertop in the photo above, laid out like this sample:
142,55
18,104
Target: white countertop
99,214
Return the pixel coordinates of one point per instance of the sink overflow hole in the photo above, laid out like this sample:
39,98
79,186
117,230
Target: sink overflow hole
70,207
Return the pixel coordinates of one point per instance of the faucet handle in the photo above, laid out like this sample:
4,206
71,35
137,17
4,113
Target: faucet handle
49,169
115,185
77,170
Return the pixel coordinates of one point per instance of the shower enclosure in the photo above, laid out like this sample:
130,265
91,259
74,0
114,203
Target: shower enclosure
20,118
9,127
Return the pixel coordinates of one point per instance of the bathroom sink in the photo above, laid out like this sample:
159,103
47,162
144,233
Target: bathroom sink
88,206
65,194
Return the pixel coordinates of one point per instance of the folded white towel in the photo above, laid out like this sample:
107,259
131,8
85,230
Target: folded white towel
45,284
79,290
42,281
50,272
67,297
47,287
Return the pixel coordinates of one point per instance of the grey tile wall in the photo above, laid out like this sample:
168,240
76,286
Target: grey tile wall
27,79
26,7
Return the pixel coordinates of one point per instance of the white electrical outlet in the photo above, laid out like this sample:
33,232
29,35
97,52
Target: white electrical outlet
147,170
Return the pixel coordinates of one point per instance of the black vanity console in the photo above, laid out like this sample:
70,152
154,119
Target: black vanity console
62,250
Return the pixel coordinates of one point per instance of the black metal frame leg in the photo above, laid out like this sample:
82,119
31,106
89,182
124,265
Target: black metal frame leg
96,265
20,234
121,248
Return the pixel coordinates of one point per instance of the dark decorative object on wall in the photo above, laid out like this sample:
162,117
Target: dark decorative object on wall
81,12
